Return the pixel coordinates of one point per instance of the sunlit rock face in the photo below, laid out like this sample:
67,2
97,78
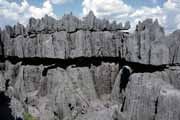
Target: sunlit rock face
66,38
89,69
71,37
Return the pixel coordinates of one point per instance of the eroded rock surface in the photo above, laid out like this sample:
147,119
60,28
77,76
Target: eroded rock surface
149,96
89,69
71,37
61,94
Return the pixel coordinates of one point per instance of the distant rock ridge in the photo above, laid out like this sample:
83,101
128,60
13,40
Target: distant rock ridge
71,37
68,37
68,23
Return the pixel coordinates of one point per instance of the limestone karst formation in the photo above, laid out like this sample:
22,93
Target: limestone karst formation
89,69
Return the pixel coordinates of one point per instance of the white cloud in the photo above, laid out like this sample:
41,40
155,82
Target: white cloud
154,1
169,4
171,9
146,12
60,1
23,11
103,8
40,12
168,15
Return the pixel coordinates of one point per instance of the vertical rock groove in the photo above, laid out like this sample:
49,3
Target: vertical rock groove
68,69
156,108
124,78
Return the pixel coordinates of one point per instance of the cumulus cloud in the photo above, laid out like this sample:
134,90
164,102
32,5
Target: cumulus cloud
106,7
60,1
169,4
154,1
171,9
146,12
40,12
23,11
168,15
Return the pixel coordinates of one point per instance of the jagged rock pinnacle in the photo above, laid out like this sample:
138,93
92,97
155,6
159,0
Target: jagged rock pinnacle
89,69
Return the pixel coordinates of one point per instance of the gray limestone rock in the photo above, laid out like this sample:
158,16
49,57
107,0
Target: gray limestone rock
147,45
104,77
70,23
148,96
62,94
2,82
120,84
42,73
19,29
71,37
172,42
127,26
90,21
68,37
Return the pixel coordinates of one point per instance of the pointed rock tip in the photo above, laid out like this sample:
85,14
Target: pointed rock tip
91,13
156,21
127,25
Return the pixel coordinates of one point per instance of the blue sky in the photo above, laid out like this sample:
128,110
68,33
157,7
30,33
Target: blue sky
166,11
60,8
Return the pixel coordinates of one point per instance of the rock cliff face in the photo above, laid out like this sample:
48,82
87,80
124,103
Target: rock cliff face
89,69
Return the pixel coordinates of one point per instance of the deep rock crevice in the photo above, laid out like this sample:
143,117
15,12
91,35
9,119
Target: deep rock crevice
123,104
27,54
5,108
52,63
156,108
7,84
126,72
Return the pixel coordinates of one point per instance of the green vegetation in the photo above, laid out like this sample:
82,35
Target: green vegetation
28,116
